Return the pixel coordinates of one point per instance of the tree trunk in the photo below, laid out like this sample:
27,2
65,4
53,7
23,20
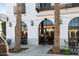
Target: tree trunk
56,47
18,27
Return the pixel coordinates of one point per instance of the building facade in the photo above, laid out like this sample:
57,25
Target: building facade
38,20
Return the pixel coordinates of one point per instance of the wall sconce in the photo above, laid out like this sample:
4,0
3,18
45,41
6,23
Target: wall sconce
32,23
10,24
7,19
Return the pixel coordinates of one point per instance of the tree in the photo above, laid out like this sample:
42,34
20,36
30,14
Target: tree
56,47
18,27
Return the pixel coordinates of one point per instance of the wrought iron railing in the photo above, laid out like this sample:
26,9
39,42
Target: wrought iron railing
51,7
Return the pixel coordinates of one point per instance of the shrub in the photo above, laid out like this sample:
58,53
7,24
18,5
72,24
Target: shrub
66,52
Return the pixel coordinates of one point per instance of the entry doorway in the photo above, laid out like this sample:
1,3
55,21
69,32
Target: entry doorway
24,34
74,30
46,32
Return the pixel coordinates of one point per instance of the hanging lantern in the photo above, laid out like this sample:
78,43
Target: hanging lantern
10,24
32,23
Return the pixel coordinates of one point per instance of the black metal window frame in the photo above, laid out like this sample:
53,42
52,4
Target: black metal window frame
48,6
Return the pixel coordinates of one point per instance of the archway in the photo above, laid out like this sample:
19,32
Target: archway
4,50
46,32
3,20
24,34
73,29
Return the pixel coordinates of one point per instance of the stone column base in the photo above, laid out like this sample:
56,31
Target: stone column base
3,54
54,50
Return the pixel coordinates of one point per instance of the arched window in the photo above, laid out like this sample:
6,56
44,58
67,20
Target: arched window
73,27
46,32
74,22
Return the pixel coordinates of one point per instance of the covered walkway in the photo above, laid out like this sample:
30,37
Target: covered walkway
40,50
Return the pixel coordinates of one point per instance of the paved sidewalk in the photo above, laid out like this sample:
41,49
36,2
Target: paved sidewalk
40,50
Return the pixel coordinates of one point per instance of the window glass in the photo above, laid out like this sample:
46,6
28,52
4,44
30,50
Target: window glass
74,22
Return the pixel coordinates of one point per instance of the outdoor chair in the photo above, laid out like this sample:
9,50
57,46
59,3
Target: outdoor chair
74,47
